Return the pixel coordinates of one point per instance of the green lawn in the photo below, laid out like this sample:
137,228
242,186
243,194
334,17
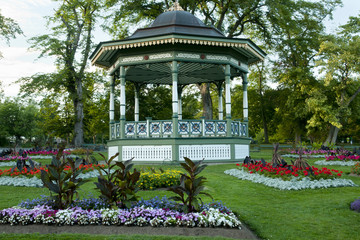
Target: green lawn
269,212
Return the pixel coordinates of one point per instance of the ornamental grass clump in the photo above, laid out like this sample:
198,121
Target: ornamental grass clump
191,186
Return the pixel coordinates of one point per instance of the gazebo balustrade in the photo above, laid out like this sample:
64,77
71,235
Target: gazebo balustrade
186,128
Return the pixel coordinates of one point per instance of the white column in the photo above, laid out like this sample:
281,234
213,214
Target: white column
228,100
136,111
227,92
122,102
245,97
179,103
175,98
221,113
112,104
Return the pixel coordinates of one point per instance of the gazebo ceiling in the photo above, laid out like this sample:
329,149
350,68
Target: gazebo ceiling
189,73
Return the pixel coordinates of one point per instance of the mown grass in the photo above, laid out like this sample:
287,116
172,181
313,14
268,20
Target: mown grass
269,212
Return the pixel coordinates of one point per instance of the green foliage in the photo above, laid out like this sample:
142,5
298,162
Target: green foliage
18,119
8,29
117,184
355,169
153,179
63,184
191,186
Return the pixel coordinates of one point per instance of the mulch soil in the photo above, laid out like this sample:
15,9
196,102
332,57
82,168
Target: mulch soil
235,233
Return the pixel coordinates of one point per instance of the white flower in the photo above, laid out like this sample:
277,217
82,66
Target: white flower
294,184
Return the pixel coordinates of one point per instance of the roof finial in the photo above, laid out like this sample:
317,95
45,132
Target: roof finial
175,7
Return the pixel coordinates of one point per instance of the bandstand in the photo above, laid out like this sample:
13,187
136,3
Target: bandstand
177,50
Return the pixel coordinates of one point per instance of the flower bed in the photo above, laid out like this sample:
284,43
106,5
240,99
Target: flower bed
286,173
37,171
153,212
158,179
336,163
289,177
342,158
295,183
13,158
307,156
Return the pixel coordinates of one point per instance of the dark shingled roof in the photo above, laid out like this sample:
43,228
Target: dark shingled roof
177,22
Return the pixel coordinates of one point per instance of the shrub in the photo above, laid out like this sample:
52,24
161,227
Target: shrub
355,205
355,169
191,186
159,178
117,184
61,182
81,151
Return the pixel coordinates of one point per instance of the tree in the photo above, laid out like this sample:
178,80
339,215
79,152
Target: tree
296,28
18,119
279,24
70,43
8,29
341,64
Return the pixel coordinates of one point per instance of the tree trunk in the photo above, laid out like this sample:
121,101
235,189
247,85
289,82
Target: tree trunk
334,136
297,138
330,135
206,100
263,117
79,115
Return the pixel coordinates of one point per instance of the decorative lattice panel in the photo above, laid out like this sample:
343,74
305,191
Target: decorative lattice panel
241,151
141,129
221,127
167,128
147,153
112,151
184,127
207,152
155,128
130,129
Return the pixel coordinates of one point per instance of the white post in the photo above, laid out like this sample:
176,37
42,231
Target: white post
221,111
122,102
136,111
228,100
175,98
179,103
112,104
245,97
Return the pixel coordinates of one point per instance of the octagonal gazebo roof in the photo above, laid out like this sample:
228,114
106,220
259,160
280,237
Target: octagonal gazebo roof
177,35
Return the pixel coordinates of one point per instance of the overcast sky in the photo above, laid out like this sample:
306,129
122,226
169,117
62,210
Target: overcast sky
19,62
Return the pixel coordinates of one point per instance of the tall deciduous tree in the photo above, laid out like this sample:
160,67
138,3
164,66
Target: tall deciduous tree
70,42
341,64
8,29
280,24
17,119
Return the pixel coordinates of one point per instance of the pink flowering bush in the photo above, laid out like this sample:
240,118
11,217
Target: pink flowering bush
13,158
342,158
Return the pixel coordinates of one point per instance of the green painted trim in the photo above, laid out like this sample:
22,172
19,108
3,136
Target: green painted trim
178,36
174,57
